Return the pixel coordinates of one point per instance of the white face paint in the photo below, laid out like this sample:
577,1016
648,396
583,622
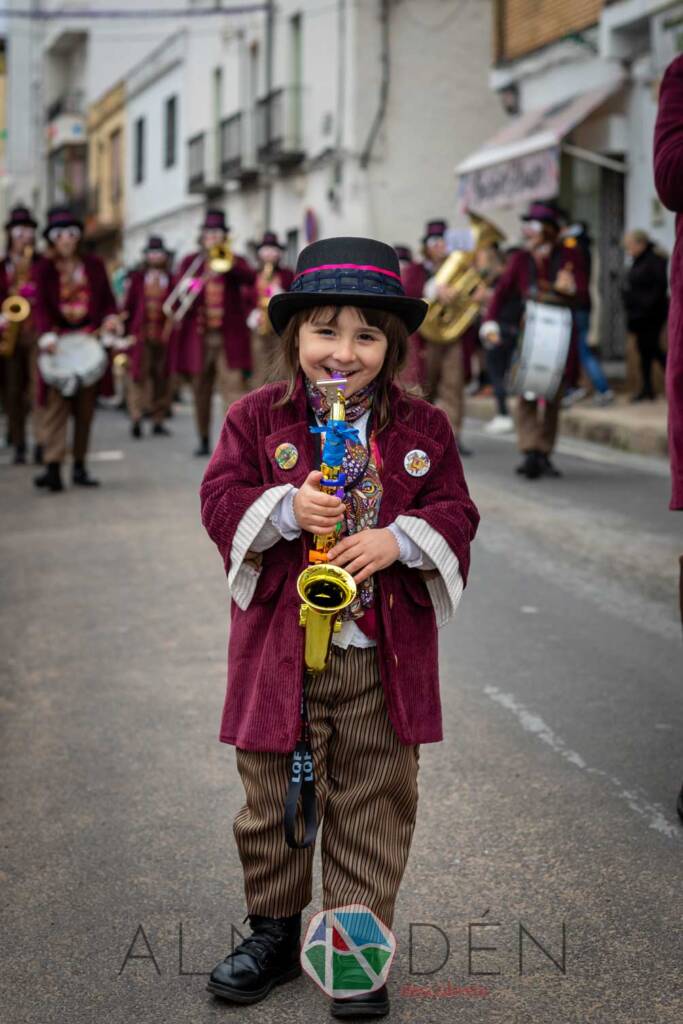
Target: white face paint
269,254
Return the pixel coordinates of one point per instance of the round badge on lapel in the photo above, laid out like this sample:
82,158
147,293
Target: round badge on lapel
286,456
417,462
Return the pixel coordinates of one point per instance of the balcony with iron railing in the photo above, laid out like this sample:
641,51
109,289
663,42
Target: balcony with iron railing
279,127
70,103
236,148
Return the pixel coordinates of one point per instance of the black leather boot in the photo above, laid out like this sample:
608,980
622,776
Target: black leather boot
160,430
203,448
547,467
268,957
136,430
530,467
51,479
365,1004
81,477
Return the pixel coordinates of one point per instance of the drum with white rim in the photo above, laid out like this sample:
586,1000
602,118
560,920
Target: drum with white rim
79,360
543,351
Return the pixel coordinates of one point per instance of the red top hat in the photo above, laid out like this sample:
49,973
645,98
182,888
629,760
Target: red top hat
546,213
61,217
270,238
155,243
404,253
435,229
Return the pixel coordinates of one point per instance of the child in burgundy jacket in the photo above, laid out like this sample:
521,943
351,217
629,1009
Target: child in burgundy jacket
407,523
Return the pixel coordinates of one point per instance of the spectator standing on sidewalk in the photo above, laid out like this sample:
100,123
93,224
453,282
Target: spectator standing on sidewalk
645,295
668,155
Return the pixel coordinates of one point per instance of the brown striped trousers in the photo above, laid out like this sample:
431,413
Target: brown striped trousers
366,796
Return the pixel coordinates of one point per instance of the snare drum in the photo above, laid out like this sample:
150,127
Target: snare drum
544,349
78,361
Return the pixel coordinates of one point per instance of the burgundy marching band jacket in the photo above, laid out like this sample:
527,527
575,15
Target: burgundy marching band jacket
518,280
134,306
187,354
48,315
242,485
668,153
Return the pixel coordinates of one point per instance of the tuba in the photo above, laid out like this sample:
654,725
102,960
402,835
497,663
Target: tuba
445,324
16,309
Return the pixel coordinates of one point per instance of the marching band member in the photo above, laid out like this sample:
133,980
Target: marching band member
212,342
543,267
148,383
445,375
407,523
73,294
271,279
413,278
17,340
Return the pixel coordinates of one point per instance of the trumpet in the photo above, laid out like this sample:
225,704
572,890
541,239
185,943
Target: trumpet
16,309
220,260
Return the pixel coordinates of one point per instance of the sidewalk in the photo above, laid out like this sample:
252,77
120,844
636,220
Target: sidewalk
635,428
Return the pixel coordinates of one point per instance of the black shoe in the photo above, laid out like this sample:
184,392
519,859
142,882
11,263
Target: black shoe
268,957
531,466
51,479
203,448
644,396
365,1004
38,455
20,455
82,478
136,430
679,805
160,429
547,467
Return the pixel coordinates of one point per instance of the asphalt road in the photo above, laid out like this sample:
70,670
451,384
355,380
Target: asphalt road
549,806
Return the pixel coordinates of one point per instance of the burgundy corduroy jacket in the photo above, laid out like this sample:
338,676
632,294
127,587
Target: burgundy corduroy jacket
187,345
265,654
668,154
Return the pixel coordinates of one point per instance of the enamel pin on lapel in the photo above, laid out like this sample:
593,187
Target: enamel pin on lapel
417,462
286,456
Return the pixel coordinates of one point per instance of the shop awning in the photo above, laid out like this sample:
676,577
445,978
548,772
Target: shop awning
522,161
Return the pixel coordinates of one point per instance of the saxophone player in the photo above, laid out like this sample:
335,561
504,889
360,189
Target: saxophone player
271,279
18,336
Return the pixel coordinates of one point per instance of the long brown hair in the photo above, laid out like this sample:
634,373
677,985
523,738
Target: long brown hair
392,326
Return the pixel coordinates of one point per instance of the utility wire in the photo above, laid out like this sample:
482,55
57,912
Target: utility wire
130,14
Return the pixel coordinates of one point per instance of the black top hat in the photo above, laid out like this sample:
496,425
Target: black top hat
61,217
20,216
545,212
270,238
435,229
214,220
404,253
347,272
155,243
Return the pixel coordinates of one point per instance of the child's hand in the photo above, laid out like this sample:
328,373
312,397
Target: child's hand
366,552
316,511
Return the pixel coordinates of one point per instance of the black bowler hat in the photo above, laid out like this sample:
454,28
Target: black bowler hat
214,220
61,217
435,229
347,272
155,243
270,238
20,216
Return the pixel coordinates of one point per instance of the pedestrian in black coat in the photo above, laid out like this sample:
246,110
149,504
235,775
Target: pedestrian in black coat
646,301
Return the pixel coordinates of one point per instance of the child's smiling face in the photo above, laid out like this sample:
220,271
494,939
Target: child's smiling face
339,340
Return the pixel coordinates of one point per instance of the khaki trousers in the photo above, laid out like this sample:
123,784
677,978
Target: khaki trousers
265,349
445,381
152,393
55,419
536,425
17,397
231,383
366,797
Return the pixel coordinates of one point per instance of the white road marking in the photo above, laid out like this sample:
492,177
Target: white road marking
652,813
